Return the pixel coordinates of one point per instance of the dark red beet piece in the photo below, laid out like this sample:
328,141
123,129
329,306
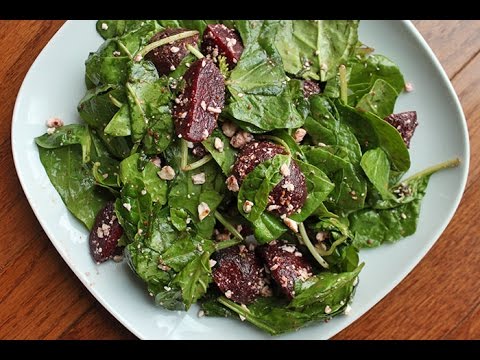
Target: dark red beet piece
290,194
286,264
239,274
220,40
311,87
199,150
201,102
405,123
105,234
167,57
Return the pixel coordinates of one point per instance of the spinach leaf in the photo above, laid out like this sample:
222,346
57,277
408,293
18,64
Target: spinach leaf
314,49
318,188
96,107
161,233
148,97
269,112
103,67
349,192
259,70
119,125
68,135
325,158
372,131
380,100
133,209
258,184
365,72
184,194
74,182
372,227
325,289
194,279
325,128
131,174
376,166
268,227
225,158
159,132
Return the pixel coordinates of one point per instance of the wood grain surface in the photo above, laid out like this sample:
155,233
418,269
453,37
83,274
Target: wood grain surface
41,298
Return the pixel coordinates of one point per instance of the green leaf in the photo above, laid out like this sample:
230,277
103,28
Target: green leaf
324,127
372,131
268,227
74,182
258,184
194,279
153,185
376,166
325,44
161,234
373,227
365,72
102,67
269,112
380,100
325,289
68,135
259,70
349,192
225,158
120,123
318,188
133,210
325,158
148,97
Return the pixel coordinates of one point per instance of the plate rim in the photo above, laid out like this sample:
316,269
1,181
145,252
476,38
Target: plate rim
401,275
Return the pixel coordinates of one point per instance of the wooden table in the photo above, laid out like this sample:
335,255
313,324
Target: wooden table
40,297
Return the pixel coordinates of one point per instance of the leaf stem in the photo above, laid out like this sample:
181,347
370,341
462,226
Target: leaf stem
124,48
115,101
195,51
343,84
183,153
167,40
433,169
228,225
198,163
310,246
332,247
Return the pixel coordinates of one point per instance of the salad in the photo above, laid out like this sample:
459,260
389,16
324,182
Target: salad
239,164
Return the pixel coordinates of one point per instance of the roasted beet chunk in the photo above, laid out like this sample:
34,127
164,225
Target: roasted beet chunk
220,40
290,194
201,102
105,234
239,274
405,123
311,87
167,57
286,264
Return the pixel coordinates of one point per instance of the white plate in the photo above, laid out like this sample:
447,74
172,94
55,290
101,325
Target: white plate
55,84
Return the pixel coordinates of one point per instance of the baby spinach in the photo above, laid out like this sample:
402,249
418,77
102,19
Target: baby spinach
315,48
380,100
74,182
376,166
258,184
269,112
372,131
225,158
